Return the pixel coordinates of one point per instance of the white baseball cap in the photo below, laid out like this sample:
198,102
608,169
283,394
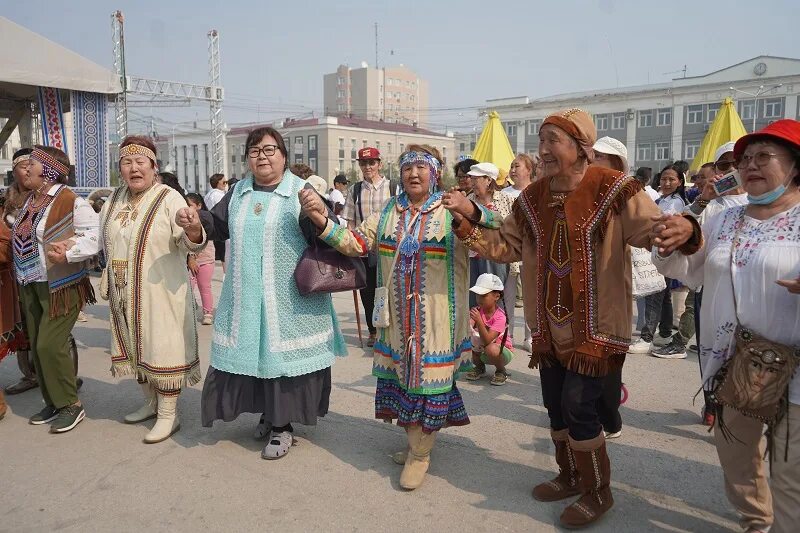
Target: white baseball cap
722,150
487,283
611,146
484,169
319,183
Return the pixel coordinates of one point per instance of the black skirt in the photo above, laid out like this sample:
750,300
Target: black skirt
282,401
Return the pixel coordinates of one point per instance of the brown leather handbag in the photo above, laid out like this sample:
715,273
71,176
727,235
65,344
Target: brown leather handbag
323,269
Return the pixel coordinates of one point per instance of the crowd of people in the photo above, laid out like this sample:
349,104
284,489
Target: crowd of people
554,237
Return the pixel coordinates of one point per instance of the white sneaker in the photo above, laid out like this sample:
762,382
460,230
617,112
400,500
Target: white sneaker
640,346
208,319
82,317
614,435
658,340
527,345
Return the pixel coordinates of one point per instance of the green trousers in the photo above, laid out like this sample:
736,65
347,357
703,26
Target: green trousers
49,339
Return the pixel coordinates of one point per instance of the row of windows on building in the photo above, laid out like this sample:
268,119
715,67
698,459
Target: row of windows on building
647,118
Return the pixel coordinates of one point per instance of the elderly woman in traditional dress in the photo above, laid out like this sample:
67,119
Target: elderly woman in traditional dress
272,348
147,235
749,268
12,335
426,272
54,234
572,229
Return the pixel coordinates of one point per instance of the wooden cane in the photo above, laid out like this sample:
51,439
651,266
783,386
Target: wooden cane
358,319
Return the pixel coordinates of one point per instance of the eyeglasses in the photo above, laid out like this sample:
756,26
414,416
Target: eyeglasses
268,150
724,166
761,159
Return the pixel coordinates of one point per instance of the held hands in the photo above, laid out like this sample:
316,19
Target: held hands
457,203
792,285
670,232
58,251
187,218
313,207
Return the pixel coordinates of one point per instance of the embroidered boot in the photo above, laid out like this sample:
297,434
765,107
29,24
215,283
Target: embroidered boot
594,479
419,457
565,484
167,422
148,410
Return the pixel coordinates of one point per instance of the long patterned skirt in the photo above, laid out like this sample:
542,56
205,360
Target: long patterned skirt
431,411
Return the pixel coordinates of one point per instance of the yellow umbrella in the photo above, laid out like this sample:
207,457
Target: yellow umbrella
726,127
493,147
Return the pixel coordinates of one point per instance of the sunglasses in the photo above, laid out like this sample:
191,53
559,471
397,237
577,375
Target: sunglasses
724,166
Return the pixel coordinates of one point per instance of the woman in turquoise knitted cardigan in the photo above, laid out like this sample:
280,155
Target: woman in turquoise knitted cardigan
272,348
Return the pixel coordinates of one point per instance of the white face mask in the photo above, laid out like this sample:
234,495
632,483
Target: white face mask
771,196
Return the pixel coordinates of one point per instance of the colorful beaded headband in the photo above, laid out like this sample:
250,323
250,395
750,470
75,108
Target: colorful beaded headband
52,169
20,159
137,149
411,158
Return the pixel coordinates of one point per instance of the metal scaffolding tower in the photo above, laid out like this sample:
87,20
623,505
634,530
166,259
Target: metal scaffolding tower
160,92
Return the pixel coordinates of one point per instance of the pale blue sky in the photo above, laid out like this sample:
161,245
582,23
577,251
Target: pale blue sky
274,54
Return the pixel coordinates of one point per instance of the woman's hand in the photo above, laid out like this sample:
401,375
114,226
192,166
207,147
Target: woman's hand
187,218
670,232
457,203
313,207
792,285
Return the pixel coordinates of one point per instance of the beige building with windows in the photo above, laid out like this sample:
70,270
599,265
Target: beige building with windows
391,94
329,144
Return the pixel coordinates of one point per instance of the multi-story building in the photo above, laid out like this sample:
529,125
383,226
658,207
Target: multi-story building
667,121
391,94
187,153
329,144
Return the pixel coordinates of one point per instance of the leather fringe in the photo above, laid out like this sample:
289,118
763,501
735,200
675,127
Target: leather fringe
169,383
628,191
14,341
61,300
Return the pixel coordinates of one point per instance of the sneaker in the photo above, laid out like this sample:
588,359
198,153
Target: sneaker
499,378
670,351
82,317
693,348
207,319
640,346
476,373
48,414
658,340
613,435
68,417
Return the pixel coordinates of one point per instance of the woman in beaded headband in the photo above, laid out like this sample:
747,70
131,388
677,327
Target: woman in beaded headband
138,163
424,158
49,164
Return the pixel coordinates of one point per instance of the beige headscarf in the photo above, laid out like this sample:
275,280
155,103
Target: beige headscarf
578,125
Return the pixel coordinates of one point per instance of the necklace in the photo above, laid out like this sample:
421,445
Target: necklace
130,212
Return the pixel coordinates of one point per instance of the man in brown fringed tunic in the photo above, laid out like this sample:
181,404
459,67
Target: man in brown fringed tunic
572,231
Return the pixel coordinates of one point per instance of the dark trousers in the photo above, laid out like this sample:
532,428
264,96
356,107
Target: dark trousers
608,404
658,314
571,400
368,293
219,250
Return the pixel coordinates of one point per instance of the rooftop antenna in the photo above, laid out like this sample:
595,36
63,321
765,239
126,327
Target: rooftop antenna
683,70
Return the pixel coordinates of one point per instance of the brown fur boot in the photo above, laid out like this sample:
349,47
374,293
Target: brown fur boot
594,479
565,484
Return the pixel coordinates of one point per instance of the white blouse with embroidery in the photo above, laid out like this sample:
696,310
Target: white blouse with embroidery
768,250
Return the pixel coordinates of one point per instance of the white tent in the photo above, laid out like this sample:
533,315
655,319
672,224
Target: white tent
30,60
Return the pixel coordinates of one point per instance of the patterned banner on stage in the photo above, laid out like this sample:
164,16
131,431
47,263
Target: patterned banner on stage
90,139
52,119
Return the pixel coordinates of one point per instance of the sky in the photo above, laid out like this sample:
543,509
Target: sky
274,54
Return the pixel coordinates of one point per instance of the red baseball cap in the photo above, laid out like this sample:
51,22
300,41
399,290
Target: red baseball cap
787,130
369,153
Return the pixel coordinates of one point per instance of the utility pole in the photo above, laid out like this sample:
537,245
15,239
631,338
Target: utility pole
376,45
121,103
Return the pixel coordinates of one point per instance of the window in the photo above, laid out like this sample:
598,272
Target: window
185,163
461,147
618,121
242,154
340,93
340,107
533,127
601,122
511,129
643,152
645,119
312,162
341,151
691,149
339,80
747,109
353,153
363,143
773,108
472,146
664,117
378,145
312,143
713,109
389,148
341,165
287,142
402,148
662,151
694,114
